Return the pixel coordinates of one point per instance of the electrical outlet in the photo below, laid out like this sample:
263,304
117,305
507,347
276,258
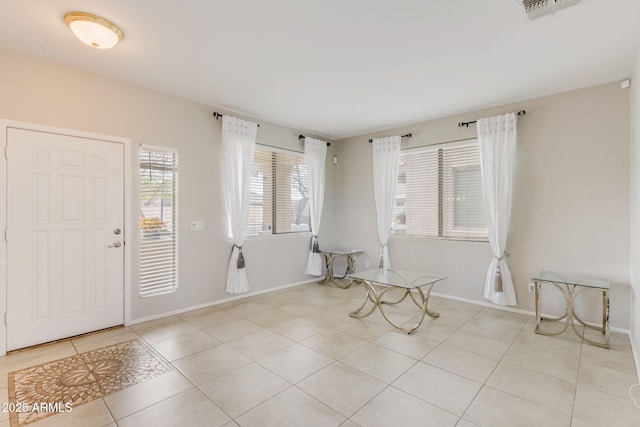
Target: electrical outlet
366,263
197,225
532,287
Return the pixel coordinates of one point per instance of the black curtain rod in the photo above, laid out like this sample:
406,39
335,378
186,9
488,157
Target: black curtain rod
278,148
218,115
301,136
401,136
462,124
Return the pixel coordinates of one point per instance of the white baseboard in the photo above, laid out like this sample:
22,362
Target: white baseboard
485,304
519,311
306,282
636,356
220,301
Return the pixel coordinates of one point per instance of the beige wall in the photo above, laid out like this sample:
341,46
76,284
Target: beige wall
42,92
571,200
635,209
571,206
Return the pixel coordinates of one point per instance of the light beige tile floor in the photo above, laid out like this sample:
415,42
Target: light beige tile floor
295,358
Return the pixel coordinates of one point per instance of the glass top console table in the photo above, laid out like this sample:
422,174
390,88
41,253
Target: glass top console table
330,255
571,287
404,280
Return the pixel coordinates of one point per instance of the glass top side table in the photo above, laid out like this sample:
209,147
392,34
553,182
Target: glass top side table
330,255
390,279
571,286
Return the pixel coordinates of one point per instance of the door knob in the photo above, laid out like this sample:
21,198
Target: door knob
115,245
117,231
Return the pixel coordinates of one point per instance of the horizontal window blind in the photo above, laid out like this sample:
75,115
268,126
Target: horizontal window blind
439,193
291,193
158,220
260,220
279,201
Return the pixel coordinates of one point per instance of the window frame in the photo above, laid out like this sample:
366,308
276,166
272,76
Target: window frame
275,210
445,212
154,290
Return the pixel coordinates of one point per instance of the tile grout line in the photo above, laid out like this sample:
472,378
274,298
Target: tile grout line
542,373
500,361
484,384
294,342
575,390
387,385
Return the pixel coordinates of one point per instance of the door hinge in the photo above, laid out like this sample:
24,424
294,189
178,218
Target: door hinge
6,234
5,319
6,151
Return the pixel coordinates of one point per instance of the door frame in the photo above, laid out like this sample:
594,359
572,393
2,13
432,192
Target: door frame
5,125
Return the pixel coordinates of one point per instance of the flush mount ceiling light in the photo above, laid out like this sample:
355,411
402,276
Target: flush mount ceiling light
537,8
93,30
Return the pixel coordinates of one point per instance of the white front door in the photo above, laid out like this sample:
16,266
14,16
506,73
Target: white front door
65,254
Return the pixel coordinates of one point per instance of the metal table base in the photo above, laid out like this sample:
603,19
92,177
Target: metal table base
570,292
330,256
376,299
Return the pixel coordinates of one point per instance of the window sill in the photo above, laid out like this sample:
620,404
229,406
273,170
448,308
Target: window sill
159,292
446,239
306,234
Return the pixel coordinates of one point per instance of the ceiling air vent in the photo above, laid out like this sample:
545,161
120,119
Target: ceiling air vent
537,8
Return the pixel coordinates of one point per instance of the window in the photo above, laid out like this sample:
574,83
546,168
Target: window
279,201
158,220
439,193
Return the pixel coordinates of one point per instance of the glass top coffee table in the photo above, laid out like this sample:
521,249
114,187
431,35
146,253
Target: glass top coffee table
405,280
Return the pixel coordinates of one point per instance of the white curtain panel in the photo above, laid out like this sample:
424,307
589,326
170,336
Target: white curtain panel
497,142
238,146
386,159
315,154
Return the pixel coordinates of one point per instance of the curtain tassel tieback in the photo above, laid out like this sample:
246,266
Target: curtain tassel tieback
381,258
497,279
315,246
240,262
